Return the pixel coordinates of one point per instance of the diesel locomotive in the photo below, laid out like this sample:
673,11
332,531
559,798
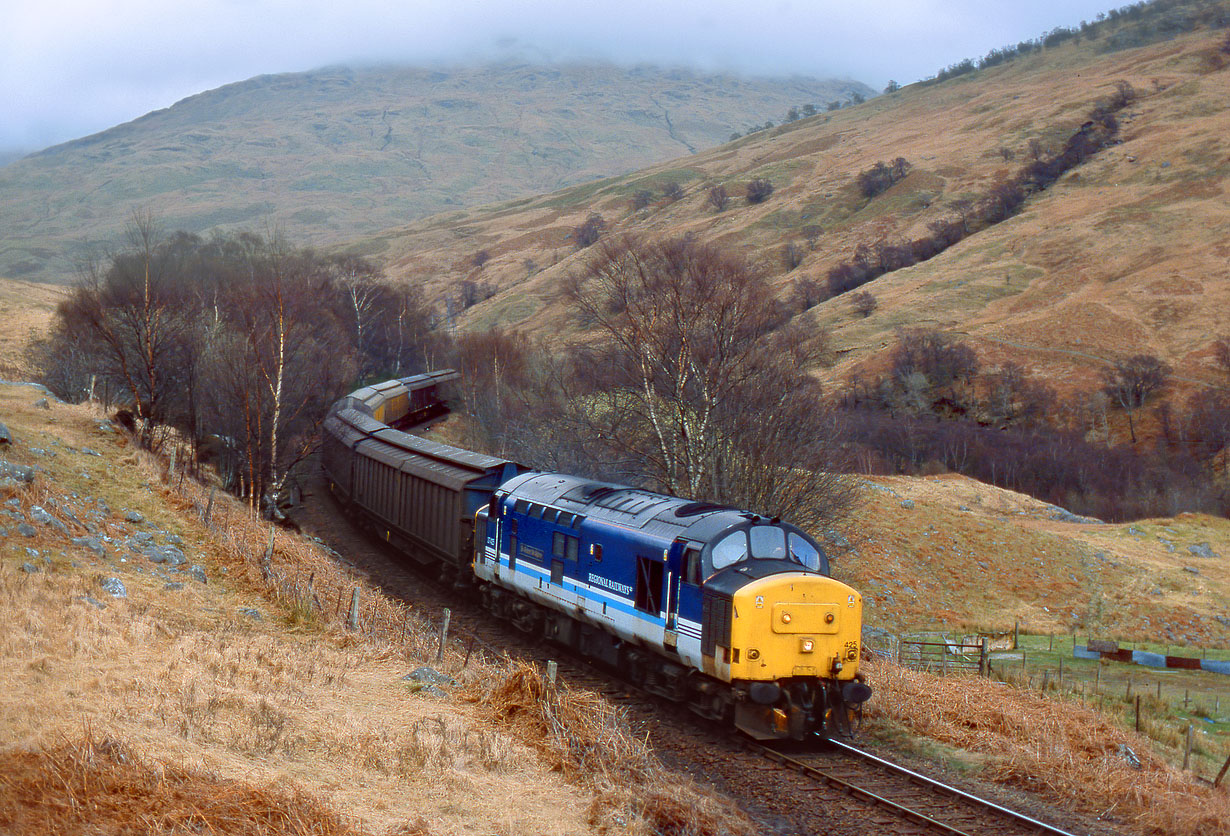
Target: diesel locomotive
729,612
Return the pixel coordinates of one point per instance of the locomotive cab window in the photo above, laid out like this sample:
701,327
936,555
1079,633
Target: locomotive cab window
691,567
804,552
768,542
731,549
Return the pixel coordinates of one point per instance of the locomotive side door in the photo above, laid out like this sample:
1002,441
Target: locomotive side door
674,571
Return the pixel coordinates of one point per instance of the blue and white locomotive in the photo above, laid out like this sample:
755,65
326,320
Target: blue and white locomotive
732,613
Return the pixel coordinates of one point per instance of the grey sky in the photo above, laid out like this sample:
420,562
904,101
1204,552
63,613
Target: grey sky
73,67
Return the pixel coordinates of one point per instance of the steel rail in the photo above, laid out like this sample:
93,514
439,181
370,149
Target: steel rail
947,789
860,792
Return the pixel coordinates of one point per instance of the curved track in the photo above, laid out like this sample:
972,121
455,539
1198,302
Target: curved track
907,801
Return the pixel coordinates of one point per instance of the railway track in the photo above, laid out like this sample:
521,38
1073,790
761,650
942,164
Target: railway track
907,801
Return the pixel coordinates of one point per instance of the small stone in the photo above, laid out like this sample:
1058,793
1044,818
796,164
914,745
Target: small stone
907,504
5,436
173,585
13,515
42,403
40,515
91,452
250,613
91,600
90,543
1191,569
114,587
12,502
29,568
17,472
169,555
198,573
1202,550
31,552
27,530
175,540
106,426
134,517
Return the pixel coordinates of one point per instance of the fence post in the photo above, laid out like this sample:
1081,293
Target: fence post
209,507
1016,635
1061,673
1097,678
1051,643
1138,713
984,667
1159,689
552,671
448,614
1222,774
1187,750
354,609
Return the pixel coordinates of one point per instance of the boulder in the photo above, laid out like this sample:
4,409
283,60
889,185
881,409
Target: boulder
113,587
170,555
16,472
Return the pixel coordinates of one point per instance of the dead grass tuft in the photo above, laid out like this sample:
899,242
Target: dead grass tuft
1058,748
581,735
103,786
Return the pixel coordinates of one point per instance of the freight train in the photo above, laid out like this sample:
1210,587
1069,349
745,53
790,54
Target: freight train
729,612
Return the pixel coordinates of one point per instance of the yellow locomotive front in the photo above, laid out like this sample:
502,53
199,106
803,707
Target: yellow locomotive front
794,654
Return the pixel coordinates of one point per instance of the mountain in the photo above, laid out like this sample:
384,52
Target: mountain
336,153
1124,253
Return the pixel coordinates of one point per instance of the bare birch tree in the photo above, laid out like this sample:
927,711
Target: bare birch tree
693,375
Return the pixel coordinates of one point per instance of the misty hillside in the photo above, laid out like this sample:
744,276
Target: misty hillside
1123,253
332,154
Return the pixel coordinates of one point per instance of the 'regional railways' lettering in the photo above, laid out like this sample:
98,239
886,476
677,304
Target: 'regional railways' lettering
614,586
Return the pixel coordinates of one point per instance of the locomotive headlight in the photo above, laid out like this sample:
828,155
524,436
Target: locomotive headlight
807,645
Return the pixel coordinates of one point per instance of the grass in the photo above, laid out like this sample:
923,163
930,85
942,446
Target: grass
1058,746
247,705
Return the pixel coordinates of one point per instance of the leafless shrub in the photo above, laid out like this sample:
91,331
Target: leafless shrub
589,232
718,198
759,190
792,255
863,303
672,191
641,198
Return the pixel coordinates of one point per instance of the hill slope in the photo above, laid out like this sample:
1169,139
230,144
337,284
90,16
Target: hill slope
336,153
1124,254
